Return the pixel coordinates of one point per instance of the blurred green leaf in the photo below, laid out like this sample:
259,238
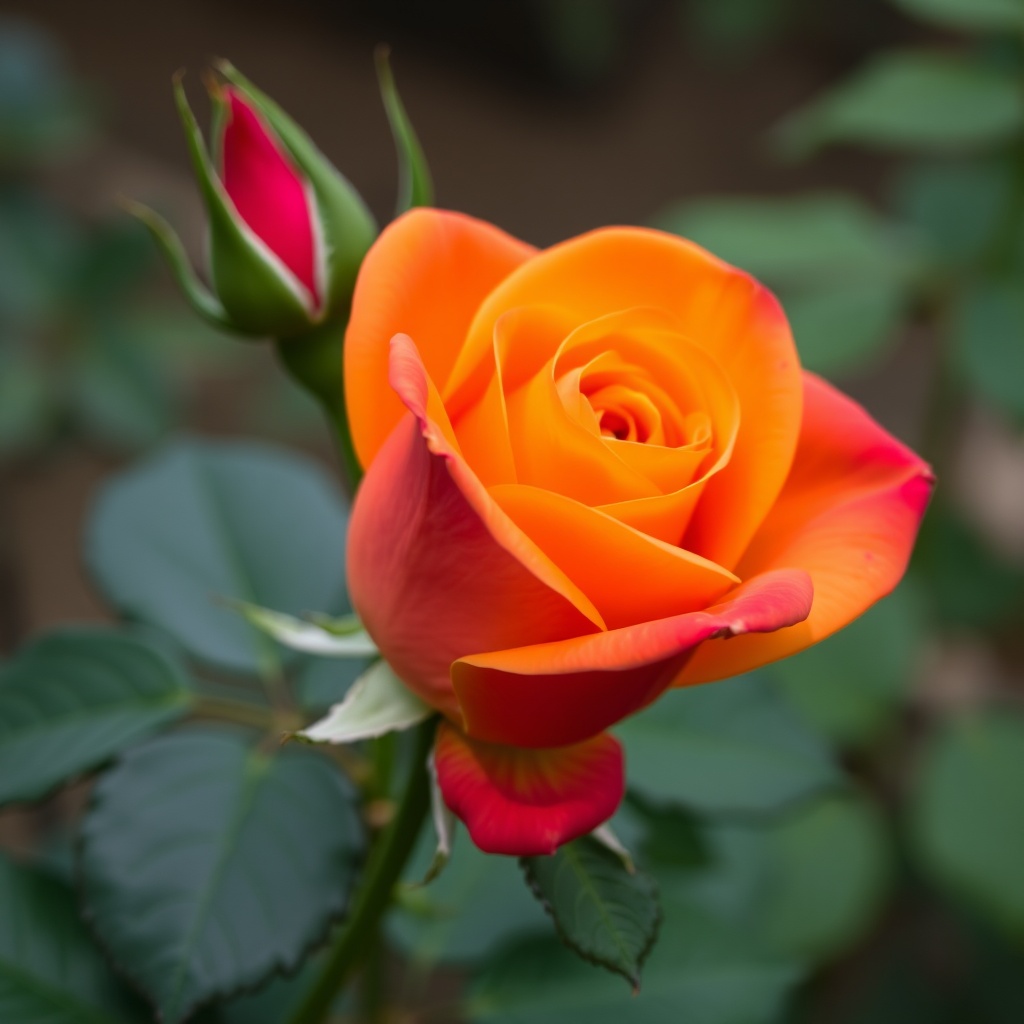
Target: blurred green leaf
26,401
39,246
734,747
475,905
601,911
114,261
322,682
966,582
847,326
116,390
50,970
732,27
207,864
827,877
791,240
699,972
911,100
956,207
968,812
199,521
73,699
980,15
850,686
988,339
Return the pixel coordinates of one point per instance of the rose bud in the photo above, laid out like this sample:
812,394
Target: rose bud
287,231
593,472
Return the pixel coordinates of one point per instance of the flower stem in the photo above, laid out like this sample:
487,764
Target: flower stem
383,869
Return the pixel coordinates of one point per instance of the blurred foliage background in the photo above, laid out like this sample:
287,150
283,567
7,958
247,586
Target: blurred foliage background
841,838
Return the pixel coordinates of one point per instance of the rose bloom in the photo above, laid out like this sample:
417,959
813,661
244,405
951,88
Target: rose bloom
594,472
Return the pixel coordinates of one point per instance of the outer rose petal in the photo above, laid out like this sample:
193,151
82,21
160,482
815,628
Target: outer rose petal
717,307
425,276
848,515
435,568
553,694
528,802
269,193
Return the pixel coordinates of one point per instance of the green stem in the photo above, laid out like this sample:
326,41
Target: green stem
387,860
314,361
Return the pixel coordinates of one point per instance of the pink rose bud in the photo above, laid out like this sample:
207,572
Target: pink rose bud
287,231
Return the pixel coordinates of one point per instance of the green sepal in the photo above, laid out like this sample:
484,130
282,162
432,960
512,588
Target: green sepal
348,226
256,295
415,185
199,297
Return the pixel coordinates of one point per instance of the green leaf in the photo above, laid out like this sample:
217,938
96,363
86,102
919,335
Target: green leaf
699,973
955,207
200,522
972,15
118,392
850,686
378,702
847,326
989,342
601,911
207,864
828,871
911,100
75,698
478,903
26,402
790,241
733,747
966,581
969,809
309,637
50,970
415,187
323,682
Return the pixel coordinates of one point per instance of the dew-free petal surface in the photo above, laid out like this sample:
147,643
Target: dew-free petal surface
425,276
848,515
528,802
551,694
436,569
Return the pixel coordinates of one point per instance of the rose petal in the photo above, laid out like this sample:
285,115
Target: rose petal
631,578
552,694
425,276
528,802
718,308
436,569
848,515
268,191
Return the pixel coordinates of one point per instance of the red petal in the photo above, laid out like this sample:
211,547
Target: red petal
549,695
269,193
847,515
528,802
436,569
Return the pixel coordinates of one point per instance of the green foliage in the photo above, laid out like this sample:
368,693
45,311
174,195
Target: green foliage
828,873
734,747
474,906
851,686
205,521
988,338
972,15
700,971
207,863
603,912
50,970
969,809
75,698
911,100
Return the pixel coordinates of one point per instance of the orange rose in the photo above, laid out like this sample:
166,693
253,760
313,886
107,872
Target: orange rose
593,472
